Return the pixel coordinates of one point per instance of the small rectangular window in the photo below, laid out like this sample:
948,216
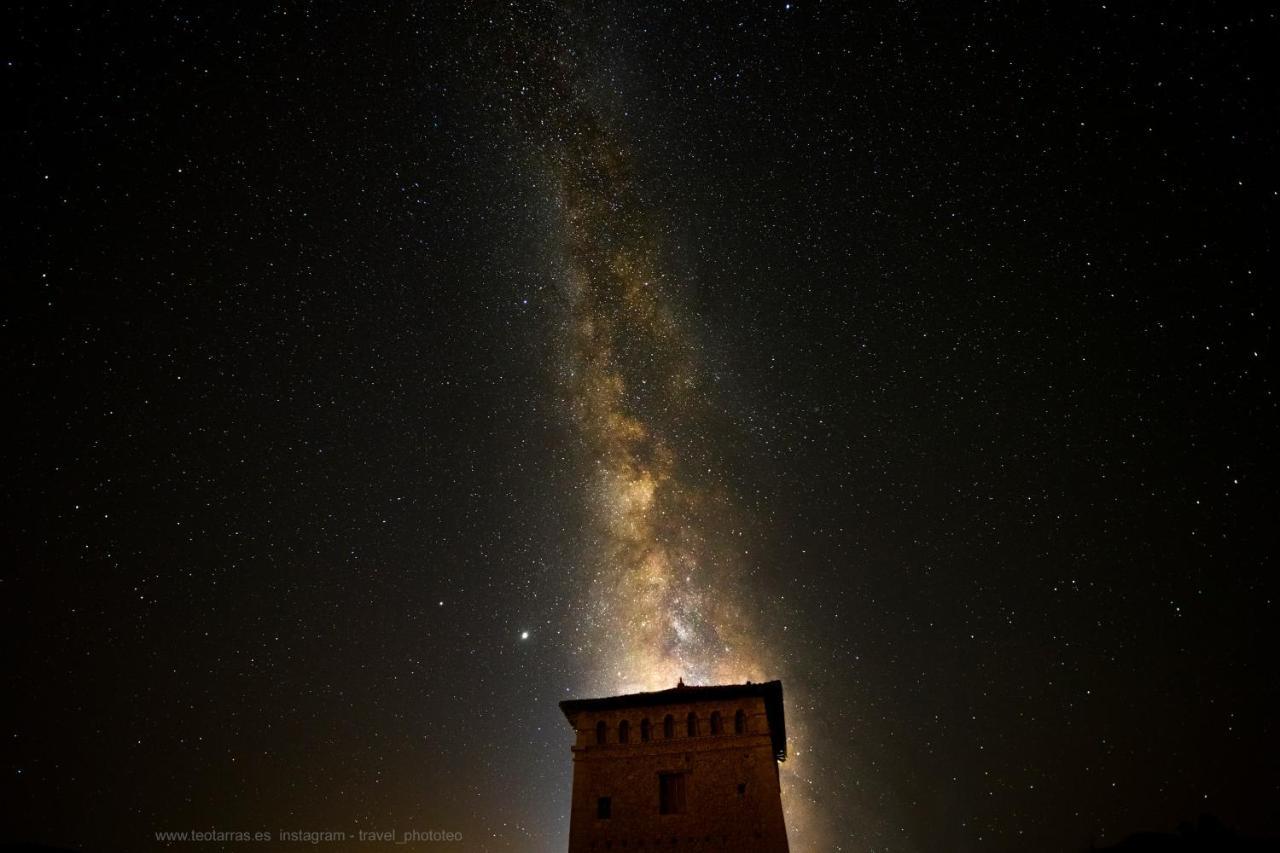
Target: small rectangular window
671,793
742,789
604,808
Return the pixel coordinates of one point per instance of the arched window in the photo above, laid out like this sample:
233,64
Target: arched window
624,732
740,723
601,728
644,730
669,727
693,724
717,728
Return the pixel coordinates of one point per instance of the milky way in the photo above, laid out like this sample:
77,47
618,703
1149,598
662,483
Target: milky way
669,592
667,596
665,592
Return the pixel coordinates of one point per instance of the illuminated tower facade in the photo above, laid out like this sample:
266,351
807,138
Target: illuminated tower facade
686,768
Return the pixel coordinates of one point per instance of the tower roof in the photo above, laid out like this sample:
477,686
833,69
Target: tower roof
770,691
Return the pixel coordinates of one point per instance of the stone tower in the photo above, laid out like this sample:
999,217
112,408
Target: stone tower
690,768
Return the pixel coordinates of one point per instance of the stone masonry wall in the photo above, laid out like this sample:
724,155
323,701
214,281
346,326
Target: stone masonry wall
732,795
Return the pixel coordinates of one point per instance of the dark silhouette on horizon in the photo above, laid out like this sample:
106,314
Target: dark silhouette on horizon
1208,835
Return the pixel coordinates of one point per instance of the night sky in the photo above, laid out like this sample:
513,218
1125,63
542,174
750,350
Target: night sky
380,375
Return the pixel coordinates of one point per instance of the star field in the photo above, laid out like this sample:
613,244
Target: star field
381,376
